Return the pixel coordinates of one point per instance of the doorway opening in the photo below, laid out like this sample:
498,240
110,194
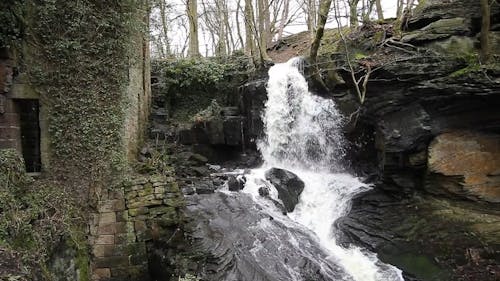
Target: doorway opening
29,112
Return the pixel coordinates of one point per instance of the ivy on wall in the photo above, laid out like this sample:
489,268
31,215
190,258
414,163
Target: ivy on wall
81,54
11,19
76,55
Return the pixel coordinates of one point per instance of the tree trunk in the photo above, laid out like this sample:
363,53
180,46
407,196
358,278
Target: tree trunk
380,13
263,33
221,43
192,11
353,12
399,8
249,29
485,31
311,17
163,15
267,22
324,9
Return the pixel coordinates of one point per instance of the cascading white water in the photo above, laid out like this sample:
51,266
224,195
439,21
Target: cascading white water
303,135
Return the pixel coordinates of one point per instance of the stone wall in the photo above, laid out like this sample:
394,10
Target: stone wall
10,130
129,216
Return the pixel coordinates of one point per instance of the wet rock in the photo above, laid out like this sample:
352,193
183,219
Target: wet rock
236,183
204,188
228,230
198,158
217,182
288,184
264,191
201,171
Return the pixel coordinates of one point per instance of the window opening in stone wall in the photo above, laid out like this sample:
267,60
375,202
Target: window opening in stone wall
30,134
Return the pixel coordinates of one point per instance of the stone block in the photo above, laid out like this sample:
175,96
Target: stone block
158,211
138,211
105,239
130,195
150,201
125,238
147,189
159,190
113,228
140,181
111,262
140,226
101,273
122,216
130,273
112,205
107,218
116,194
103,250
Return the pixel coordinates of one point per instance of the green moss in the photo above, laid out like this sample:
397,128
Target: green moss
466,70
359,56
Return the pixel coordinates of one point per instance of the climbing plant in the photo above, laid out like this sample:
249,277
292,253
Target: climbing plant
80,68
11,19
190,85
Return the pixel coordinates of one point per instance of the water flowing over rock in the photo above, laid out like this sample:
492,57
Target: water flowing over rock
288,185
304,146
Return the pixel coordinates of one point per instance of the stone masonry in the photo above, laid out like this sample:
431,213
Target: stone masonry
128,217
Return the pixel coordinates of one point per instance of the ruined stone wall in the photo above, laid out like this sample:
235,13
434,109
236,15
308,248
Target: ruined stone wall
10,130
138,95
129,216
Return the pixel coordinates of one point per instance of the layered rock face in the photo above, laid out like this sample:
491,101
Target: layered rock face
431,118
472,157
420,91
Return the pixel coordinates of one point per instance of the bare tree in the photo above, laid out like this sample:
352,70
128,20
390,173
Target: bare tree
324,9
263,30
192,12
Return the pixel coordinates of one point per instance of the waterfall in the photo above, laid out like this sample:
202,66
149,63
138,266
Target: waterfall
303,135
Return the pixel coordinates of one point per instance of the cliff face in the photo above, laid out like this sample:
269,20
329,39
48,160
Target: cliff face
431,118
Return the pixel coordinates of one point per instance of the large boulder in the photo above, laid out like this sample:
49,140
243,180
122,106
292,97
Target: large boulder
288,185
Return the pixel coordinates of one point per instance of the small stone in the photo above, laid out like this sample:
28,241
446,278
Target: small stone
159,190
